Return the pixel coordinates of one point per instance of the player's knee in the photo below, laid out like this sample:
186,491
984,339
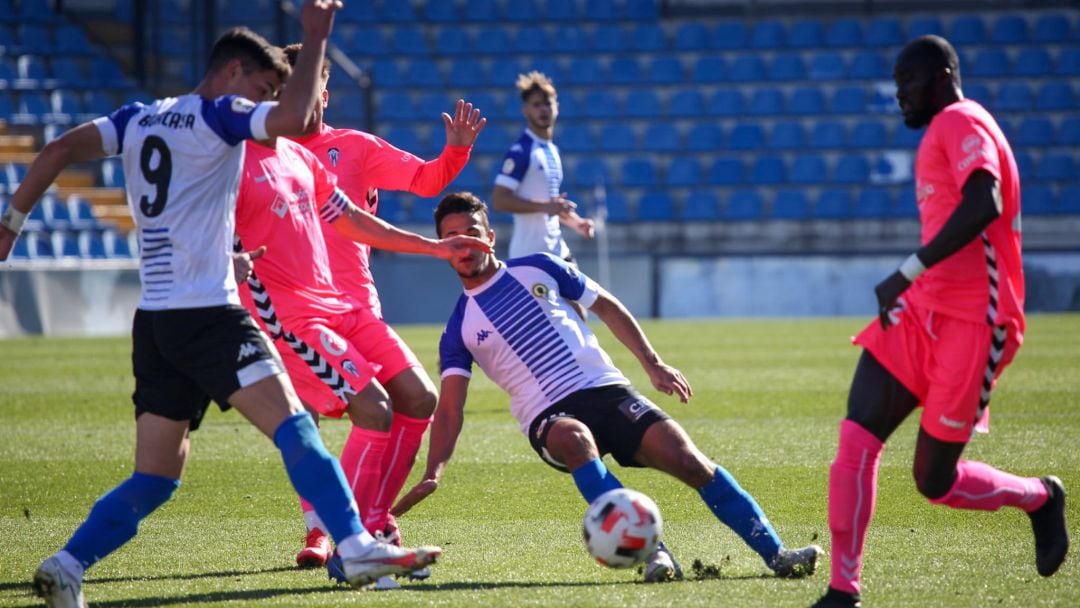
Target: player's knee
374,414
422,405
933,483
571,444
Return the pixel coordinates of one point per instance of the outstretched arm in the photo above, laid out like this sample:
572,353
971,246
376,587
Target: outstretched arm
81,144
980,205
445,430
664,378
296,109
504,199
363,227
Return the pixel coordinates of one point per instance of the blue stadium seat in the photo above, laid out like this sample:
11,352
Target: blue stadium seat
579,139
767,102
492,40
525,10
904,206
444,12
31,68
584,70
405,138
1056,166
743,205
648,37
768,34
1009,29
727,171
990,63
884,31
1037,131
925,26
55,214
395,105
424,73
1025,164
106,74
827,65
38,246
469,73
709,68
590,172
666,70
71,40
430,106
1013,96
610,39
979,92
452,41
601,10
746,136
701,205
768,169
65,244
1037,199
1069,201
691,36
684,171
392,209
747,68
787,135
504,72
35,39
656,206
639,172
33,108
7,108
1033,62
848,100
625,70
790,204
531,39
873,203
368,42
82,213
1069,133
397,12
648,10
1068,63
806,101
643,103
617,137
786,66
112,173
729,36
967,30
618,210
809,169
479,10
833,204
69,73
116,245
806,34
704,137
90,245
844,33
686,103
726,102
661,137
569,38
852,169
868,134
386,73
869,65
409,40
65,105
1051,28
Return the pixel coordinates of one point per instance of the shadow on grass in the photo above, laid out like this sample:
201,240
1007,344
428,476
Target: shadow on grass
210,597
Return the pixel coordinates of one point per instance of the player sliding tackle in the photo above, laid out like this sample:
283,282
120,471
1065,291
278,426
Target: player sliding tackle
516,322
192,342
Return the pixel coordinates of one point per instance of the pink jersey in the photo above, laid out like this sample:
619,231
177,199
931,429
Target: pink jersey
363,164
984,281
284,191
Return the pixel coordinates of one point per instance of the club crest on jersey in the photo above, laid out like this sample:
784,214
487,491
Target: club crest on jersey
333,343
279,206
349,367
333,153
541,291
241,105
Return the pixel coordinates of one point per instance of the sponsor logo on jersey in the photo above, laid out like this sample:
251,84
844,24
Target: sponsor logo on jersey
241,105
922,191
247,349
349,367
971,142
969,159
333,153
481,336
279,206
333,343
508,165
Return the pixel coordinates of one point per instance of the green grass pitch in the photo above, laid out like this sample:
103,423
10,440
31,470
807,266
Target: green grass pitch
768,398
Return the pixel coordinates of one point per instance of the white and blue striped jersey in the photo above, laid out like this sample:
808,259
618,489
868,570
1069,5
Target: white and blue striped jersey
520,329
182,165
533,170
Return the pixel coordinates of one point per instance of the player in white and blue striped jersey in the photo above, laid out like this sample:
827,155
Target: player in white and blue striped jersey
514,320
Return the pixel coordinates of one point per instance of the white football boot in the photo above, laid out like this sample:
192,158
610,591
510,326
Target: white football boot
58,587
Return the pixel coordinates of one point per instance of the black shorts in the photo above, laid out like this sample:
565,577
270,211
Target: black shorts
617,416
183,358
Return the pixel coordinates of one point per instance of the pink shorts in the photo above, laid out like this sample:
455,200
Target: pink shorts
357,341
951,365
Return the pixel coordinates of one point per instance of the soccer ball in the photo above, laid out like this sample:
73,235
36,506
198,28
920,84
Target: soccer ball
622,527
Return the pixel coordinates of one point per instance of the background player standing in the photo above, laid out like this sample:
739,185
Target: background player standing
950,320
529,184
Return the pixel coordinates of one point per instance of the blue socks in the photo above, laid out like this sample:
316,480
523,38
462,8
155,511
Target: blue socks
593,479
317,476
737,510
115,518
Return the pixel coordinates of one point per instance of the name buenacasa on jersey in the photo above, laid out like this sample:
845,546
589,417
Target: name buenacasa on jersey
173,120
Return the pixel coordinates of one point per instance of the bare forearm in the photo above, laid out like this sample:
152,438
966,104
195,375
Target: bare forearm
506,201
445,430
364,227
980,206
297,105
625,329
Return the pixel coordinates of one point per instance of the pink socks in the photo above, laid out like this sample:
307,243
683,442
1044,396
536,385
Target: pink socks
981,487
852,490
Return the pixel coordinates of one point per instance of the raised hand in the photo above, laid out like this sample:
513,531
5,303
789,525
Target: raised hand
244,263
448,248
560,205
464,126
419,492
317,18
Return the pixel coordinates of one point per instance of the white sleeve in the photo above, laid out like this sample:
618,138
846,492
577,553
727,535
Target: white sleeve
258,120
110,139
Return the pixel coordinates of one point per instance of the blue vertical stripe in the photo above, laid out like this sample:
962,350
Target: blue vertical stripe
554,172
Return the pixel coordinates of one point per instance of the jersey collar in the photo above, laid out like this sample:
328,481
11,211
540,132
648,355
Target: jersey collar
479,289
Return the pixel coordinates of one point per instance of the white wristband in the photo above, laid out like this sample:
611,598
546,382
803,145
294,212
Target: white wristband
912,267
13,220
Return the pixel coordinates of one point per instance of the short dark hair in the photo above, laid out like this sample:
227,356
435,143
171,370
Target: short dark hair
293,51
459,202
253,51
933,53
534,81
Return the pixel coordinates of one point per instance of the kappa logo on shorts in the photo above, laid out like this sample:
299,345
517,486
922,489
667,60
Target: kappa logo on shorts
349,367
333,343
635,409
246,350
